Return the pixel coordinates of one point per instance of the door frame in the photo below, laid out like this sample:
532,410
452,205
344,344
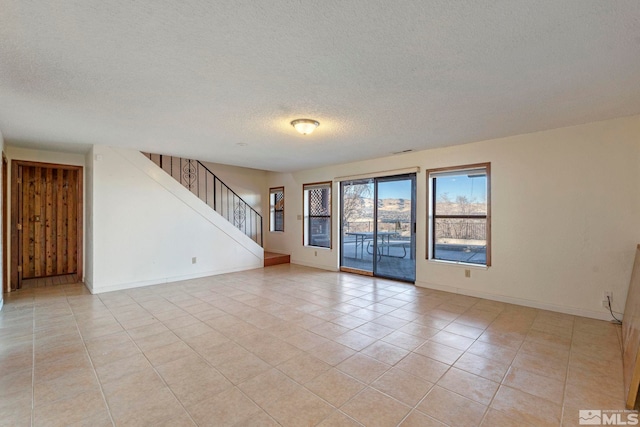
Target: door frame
16,253
5,221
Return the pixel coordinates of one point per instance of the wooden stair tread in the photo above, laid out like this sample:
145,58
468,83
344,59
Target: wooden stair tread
271,258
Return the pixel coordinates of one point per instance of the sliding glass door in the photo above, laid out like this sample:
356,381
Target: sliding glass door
395,228
378,227
357,202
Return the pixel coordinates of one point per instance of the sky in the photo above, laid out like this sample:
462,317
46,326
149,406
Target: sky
473,188
394,189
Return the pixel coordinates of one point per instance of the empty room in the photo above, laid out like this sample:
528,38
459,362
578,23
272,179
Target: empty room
305,213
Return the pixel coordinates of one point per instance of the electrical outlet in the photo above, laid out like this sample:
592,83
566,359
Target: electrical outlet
315,253
467,273
605,303
194,260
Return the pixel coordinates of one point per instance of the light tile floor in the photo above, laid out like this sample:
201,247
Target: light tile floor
294,346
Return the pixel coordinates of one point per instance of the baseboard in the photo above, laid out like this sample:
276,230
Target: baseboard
518,301
313,265
164,280
89,286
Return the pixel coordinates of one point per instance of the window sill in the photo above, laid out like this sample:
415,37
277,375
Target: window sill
465,265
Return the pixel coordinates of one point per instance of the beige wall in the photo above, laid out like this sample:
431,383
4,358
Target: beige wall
565,208
247,183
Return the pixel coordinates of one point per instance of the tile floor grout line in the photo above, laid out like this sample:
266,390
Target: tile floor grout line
33,364
487,406
562,407
276,368
93,368
151,364
295,381
235,386
566,376
369,385
504,375
415,407
251,300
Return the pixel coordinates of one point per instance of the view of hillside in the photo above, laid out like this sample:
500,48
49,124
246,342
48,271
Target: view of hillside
393,214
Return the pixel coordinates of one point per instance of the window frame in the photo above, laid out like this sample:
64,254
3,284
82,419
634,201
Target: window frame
306,203
431,214
273,210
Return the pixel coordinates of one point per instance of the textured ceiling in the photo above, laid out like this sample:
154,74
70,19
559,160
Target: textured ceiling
197,77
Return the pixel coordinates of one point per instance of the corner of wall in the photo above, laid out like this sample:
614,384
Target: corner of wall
3,219
88,224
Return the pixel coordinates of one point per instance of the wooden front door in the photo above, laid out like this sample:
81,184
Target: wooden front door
48,220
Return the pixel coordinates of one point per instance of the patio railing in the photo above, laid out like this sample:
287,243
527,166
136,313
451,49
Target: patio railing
463,229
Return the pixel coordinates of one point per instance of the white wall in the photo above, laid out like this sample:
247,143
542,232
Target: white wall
565,215
18,153
88,223
147,227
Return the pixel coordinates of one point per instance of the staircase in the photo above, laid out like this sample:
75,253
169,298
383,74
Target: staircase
198,179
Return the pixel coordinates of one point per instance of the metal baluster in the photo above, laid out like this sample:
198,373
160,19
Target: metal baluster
206,188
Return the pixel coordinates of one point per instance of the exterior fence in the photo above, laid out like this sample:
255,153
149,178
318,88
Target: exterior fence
463,229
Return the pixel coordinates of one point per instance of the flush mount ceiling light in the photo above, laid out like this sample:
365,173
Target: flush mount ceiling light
305,126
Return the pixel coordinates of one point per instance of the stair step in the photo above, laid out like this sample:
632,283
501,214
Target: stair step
271,258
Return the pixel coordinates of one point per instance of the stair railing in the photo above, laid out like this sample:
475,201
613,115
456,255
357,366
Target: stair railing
198,179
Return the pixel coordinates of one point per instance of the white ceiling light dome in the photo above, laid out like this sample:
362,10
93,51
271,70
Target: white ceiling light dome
305,126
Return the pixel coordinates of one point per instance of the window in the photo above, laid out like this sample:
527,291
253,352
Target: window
317,214
276,209
460,214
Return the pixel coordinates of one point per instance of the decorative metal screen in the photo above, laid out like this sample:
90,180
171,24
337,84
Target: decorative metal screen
239,214
189,173
318,215
319,202
277,209
279,200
